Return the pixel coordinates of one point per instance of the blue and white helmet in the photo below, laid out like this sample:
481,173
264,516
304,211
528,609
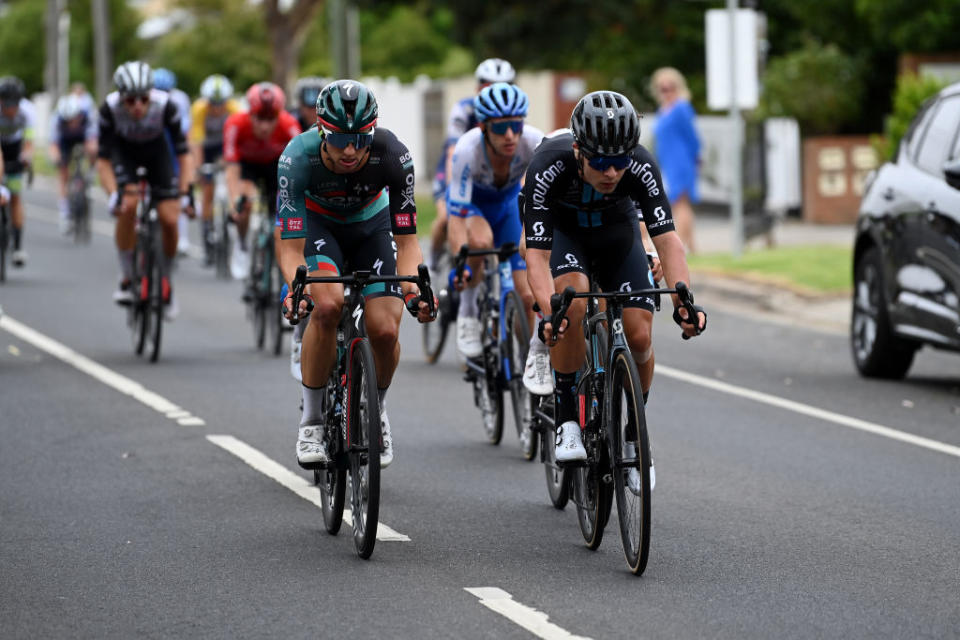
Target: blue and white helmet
70,106
500,100
164,79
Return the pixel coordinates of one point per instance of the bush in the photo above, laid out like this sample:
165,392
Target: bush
818,85
911,92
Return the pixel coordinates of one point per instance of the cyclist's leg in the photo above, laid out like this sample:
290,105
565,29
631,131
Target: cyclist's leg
65,148
319,337
13,169
506,228
125,231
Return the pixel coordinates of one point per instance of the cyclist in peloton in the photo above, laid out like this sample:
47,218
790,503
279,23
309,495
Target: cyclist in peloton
307,90
461,120
252,143
166,80
488,165
580,196
17,120
347,202
208,114
134,122
75,124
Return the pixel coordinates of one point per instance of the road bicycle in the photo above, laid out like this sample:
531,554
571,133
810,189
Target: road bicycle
505,337
352,418
145,312
6,230
435,333
619,464
264,284
217,244
78,196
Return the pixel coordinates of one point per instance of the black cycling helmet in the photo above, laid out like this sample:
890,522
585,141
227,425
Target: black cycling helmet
11,90
604,123
308,90
347,106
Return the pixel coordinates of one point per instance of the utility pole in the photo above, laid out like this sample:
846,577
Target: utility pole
51,68
102,54
736,124
344,33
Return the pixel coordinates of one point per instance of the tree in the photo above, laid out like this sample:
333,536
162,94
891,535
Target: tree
287,30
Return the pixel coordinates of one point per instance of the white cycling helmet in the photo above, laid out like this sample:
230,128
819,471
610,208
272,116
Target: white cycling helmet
495,70
216,89
134,77
70,106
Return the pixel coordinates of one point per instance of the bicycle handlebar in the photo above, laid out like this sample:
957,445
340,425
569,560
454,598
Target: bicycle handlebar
503,253
360,278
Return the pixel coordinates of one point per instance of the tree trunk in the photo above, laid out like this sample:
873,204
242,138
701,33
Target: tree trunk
288,30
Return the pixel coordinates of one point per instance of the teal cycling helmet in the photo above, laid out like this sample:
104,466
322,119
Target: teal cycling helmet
500,100
347,106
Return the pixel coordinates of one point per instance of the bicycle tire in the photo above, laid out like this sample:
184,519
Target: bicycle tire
273,308
558,480
155,308
363,446
628,426
139,307
435,335
516,345
4,240
222,246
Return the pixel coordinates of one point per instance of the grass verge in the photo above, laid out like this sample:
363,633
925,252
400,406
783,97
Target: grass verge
805,269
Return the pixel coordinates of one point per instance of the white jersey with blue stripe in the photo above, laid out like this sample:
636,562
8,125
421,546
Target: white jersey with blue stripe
471,180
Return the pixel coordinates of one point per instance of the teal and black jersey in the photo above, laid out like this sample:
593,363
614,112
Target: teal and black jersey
383,186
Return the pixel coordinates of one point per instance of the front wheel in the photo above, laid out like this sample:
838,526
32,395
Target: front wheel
558,480
632,465
156,300
515,346
363,447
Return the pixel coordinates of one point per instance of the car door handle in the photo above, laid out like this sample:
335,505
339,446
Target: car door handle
888,194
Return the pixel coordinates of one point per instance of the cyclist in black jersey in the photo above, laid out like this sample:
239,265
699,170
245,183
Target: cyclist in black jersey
581,196
346,202
135,121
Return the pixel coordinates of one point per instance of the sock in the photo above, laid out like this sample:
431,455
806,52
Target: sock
566,397
126,263
183,228
17,234
313,401
64,209
536,344
468,303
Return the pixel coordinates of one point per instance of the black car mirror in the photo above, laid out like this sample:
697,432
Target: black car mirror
951,169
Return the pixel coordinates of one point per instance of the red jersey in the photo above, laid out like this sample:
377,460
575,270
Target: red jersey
240,145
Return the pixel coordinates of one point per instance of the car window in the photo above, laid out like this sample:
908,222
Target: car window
918,126
939,136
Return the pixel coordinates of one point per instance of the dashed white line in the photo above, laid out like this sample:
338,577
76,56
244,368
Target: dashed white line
292,481
536,622
99,372
807,410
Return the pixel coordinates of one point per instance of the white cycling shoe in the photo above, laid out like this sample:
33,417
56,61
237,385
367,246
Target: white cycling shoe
311,449
537,374
634,480
569,444
468,337
295,346
239,262
386,440
19,258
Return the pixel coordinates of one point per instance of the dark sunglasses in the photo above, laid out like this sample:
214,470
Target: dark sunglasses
344,140
500,128
602,163
131,100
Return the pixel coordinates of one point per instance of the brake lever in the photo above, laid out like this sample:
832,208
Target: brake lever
426,292
296,290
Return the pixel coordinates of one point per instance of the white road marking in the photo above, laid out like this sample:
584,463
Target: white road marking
536,622
296,483
807,410
99,372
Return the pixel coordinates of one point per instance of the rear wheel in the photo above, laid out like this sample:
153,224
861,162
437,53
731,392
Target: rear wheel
435,333
332,480
593,496
877,351
221,250
627,429
558,480
139,313
4,240
363,447
515,356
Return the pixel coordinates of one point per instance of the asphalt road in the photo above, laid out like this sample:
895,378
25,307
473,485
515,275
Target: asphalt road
122,515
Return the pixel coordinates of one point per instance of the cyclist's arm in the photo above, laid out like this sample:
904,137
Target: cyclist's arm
174,126
108,180
293,171
198,115
231,156
459,196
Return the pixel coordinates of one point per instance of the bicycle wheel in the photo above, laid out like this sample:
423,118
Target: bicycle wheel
274,313
4,240
435,333
489,398
558,480
332,480
627,429
260,293
139,314
592,495
221,247
515,356
155,309
363,447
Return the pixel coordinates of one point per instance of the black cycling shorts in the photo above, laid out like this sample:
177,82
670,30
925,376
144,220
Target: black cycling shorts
11,158
66,148
156,159
265,177
613,254
334,249
212,151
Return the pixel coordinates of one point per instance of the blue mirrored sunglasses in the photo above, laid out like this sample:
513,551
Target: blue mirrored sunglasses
500,128
344,140
602,163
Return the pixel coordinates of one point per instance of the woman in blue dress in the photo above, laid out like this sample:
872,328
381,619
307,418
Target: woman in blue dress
677,147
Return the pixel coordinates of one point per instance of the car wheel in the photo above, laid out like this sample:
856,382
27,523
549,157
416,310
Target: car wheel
877,352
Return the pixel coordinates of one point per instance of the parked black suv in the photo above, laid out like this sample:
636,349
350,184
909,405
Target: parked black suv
907,252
